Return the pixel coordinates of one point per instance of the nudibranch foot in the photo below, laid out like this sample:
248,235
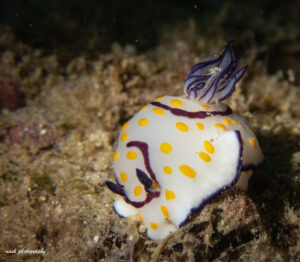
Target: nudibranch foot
178,153
124,209
244,178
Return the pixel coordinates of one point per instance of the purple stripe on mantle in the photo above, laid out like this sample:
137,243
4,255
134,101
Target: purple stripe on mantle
189,114
150,196
143,147
118,189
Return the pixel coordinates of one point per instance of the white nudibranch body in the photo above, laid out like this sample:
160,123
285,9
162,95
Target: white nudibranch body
177,153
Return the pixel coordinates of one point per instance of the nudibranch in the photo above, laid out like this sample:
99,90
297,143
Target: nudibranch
177,153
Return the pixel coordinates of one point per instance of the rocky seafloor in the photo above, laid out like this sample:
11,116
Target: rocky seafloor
58,127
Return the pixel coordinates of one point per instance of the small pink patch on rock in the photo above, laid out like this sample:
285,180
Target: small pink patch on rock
11,96
36,136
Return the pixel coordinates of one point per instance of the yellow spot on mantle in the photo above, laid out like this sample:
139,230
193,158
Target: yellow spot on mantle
143,108
115,156
155,185
208,147
227,121
182,127
170,195
233,121
165,148
205,157
137,190
253,142
220,126
176,102
200,126
143,122
124,137
131,155
168,170
188,171
165,211
125,126
154,225
160,98
124,177
158,111
206,107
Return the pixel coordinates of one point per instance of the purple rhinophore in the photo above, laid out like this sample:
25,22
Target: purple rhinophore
116,188
143,178
214,80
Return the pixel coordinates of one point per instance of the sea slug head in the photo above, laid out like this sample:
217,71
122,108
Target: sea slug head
214,80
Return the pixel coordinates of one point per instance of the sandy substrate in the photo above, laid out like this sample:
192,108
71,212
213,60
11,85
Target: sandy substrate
57,139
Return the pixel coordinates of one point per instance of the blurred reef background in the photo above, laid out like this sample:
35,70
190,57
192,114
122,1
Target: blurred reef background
72,72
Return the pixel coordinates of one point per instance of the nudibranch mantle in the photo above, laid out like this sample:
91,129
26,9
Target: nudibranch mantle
178,153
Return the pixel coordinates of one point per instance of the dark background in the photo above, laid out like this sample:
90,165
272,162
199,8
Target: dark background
50,25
